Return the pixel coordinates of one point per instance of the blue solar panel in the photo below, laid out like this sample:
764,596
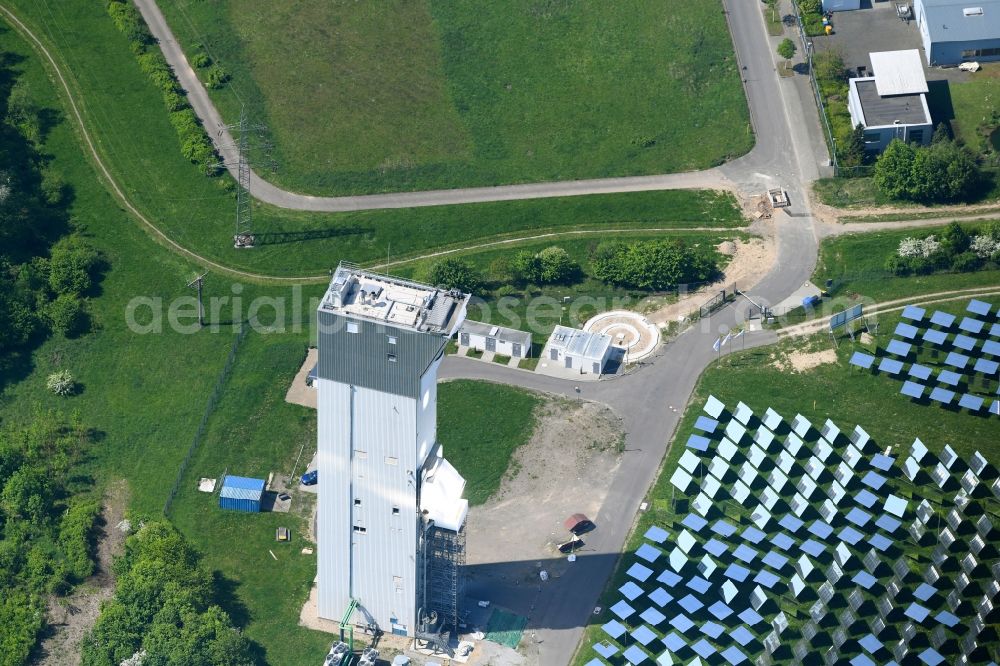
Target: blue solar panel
614,628
668,578
699,585
774,560
919,371
907,331
644,635
866,498
766,578
991,347
873,480
737,573
813,548
913,313
890,365
971,402
706,424
674,642
733,656
681,623
690,603
986,367
882,462
605,651
741,635
870,644
722,528
753,535
694,522
716,547
639,572
942,395
964,342
971,325
942,319
661,597
864,579
898,347
912,389
698,443
862,360
745,553
931,657
850,535
859,517
622,609
977,307
956,360
948,377
887,523
703,649
820,529
935,337
862,660
630,590
657,534
880,542
916,612
947,619
647,552
750,617
720,610
712,629
635,655
924,591
782,541
790,523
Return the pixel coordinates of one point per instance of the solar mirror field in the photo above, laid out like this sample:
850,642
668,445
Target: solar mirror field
797,542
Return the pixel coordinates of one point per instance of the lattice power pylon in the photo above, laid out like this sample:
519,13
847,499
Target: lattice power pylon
243,236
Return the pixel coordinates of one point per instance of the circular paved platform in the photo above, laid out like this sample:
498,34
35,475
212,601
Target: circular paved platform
628,330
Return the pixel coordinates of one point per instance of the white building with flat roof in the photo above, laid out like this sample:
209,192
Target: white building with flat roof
892,104
575,349
390,515
487,337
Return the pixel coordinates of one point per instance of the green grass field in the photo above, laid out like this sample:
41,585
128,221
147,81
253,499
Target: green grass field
836,391
857,263
480,427
364,97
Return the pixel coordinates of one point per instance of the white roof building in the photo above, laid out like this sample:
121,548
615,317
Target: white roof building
580,350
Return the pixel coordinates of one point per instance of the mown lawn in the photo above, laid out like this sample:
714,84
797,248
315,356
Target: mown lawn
856,262
480,425
836,391
364,97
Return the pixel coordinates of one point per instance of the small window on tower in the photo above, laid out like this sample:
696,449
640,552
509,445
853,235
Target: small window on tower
391,460
395,510
360,530
391,357
357,502
352,327
391,339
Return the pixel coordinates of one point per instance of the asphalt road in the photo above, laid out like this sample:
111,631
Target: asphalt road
651,400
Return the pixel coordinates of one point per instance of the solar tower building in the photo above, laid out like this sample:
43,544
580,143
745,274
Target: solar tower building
390,517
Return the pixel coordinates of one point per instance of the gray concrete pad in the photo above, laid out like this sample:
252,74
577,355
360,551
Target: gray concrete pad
299,393
794,300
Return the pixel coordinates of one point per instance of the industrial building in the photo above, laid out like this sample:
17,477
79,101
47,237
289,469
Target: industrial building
892,104
583,351
955,31
390,536
497,339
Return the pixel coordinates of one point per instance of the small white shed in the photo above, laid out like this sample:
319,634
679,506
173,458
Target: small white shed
487,337
575,349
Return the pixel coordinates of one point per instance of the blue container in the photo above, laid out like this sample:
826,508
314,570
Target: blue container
240,493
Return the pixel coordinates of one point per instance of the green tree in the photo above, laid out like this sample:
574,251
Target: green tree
27,494
955,240
853,152
557,266
526,267
894,170
66,315
786,49
456,273
71,265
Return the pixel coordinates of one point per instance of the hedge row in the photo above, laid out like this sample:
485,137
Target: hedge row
195,143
